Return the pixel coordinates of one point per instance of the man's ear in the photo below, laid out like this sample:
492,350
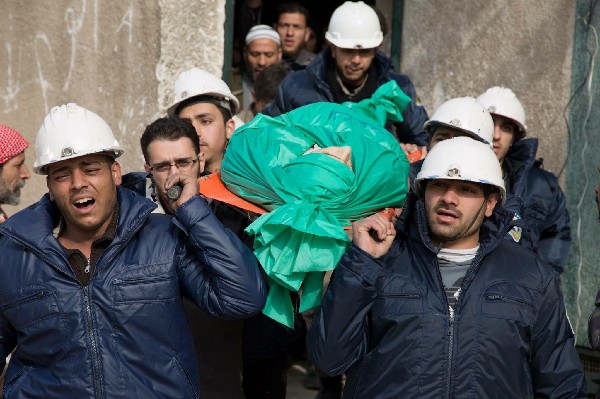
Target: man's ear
147,168
492,201
115,170
201,162
49,189
229,128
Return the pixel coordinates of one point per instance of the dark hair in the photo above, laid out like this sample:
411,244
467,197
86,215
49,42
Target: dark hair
170,129
382,20
293,7
267,81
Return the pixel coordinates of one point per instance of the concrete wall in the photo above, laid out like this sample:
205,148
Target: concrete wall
117,58
459,48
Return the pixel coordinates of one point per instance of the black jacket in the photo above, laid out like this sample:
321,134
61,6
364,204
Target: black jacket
386,322
263,337
311,85
544,204
125,334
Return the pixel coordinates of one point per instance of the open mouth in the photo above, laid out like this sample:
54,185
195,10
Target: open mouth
84,203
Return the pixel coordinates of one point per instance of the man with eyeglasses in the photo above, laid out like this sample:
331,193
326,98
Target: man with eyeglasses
206,102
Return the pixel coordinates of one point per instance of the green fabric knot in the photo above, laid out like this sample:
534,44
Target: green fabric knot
311,195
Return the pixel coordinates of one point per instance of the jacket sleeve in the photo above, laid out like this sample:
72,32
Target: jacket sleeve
338,337
8,340
556,370
218,272
415,116
555,239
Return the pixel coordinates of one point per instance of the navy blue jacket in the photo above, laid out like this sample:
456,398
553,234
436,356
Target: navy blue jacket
544,205
125,334
310,85
386,322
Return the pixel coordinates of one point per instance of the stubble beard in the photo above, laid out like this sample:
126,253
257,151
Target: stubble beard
8,196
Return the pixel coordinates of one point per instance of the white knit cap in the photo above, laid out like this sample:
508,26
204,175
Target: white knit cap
263,32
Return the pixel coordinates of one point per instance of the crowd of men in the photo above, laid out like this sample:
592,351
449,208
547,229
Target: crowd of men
112,286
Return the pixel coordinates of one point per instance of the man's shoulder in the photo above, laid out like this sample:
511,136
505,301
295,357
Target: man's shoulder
297,78
520,263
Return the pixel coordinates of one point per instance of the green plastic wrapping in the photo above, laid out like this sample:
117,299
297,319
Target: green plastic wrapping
311,197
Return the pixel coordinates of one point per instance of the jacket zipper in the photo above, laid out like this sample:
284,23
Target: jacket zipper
450,349
93,343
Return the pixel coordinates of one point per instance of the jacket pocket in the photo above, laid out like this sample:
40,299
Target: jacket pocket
146,289
12,383
29,305
397,296
191,390
508,301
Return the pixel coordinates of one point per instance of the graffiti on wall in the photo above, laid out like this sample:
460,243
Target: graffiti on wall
81,51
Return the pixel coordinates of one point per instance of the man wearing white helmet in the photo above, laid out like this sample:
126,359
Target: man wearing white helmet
351,69
433,305
543,202
457,117
92,306
207,103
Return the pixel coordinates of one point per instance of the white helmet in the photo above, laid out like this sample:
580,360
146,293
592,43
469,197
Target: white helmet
503,101
466,115
354,25
197,82
462,158
71,131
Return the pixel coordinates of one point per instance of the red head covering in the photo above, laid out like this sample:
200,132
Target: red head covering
11,143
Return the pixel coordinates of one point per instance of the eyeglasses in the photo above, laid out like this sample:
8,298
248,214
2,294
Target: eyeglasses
180,164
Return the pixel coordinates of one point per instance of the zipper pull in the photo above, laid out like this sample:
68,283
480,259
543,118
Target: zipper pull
87,267
450,320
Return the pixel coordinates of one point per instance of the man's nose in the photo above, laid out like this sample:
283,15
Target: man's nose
24,172
496,132
450,196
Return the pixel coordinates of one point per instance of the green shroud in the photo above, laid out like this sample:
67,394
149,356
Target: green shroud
311,197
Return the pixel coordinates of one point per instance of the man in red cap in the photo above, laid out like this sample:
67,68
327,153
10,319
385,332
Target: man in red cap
13,171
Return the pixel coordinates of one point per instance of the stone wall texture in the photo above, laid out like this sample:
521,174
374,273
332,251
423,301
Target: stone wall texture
117,58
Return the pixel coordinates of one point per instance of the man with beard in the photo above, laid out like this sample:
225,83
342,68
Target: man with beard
13,171
439,304
263,48
352,69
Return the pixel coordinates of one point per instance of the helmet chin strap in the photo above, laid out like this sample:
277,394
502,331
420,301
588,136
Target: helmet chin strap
441,245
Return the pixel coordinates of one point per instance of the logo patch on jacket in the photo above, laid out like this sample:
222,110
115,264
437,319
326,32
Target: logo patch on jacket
516,232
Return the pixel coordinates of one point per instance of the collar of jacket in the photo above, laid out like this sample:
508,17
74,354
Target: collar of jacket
518,162
33,226
412,225
317,69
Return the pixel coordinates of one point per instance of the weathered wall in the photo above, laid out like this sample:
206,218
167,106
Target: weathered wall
458,48
582,278
117,58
